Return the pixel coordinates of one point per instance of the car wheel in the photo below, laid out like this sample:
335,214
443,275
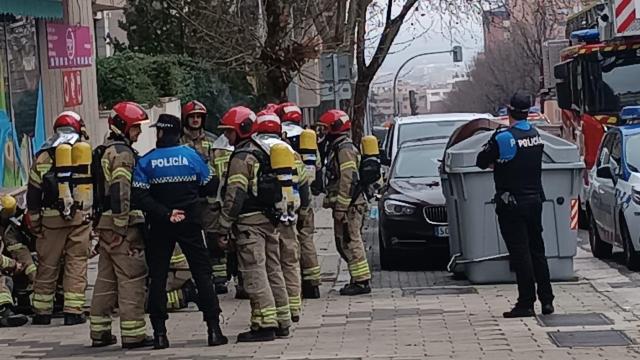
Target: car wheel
631,256
387,257
599,248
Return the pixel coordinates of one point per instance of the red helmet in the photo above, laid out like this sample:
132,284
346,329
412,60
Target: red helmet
69,119
289,112
240,119
336,121
125,115
268,122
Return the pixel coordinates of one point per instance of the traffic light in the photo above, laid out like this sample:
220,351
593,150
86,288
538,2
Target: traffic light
457,54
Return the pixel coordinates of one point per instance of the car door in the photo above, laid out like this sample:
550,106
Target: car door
607,189
598,202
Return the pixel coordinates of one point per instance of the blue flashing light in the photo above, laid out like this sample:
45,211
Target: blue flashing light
587,35
630,114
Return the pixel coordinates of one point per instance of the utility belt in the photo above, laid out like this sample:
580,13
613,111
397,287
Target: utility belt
509,200
270,211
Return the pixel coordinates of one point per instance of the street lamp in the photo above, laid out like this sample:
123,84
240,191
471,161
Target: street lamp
456,51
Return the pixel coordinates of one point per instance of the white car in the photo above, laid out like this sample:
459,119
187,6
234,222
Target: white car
614,195
420,127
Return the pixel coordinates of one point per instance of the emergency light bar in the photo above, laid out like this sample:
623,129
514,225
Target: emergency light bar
630,114
588,35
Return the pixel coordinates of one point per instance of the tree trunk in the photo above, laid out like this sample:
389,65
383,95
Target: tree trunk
360,99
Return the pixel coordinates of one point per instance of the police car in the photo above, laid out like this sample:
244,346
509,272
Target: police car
614,194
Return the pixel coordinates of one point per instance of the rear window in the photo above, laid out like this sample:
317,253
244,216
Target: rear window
418,161
408,132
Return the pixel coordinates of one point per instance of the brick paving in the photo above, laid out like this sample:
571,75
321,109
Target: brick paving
409,315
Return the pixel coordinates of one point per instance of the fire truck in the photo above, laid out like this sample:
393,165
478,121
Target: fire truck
599,74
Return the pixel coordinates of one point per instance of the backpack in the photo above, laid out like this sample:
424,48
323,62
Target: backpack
370,171
269,189
97,173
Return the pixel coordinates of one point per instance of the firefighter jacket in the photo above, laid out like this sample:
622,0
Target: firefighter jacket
15,246
202,142
215,151
342,177
301,178
6,263
118,162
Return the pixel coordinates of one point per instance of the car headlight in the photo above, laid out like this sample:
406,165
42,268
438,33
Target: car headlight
636,195
392,207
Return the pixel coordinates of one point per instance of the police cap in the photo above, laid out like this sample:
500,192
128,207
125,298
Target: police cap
168,123
520,102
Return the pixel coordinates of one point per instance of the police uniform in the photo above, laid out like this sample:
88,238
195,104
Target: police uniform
174,176
121,277
516,154
256,239
348,206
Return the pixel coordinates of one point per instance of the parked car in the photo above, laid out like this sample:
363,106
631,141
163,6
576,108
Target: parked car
420,126
613,205
412,208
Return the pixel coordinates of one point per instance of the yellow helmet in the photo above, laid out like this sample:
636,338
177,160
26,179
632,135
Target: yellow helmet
8,204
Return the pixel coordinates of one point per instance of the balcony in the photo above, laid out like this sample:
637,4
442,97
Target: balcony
106,5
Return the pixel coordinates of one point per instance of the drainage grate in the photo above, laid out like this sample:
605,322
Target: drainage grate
439,291
590,338
588,319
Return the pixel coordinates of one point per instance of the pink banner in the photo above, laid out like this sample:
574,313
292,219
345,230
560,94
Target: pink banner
69,46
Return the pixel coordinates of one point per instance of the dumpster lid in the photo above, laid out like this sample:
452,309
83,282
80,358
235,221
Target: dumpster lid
462,156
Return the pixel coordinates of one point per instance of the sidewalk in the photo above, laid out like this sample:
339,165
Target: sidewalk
416,315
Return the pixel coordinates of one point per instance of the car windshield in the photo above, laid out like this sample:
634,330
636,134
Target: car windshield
408,132
632,151
418,161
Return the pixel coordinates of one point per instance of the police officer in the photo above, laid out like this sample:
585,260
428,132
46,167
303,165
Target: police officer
167,184
515,154
348,205
248,209
194,115
59,214
122,271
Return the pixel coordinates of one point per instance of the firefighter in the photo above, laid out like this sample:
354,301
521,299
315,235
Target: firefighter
268,134
304,143
515,154
194,115
167,184
59,205
180,287
348,205
251,193
8,318
122,270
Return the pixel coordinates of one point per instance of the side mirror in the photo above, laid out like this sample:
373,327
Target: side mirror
561,71
605,172
563,89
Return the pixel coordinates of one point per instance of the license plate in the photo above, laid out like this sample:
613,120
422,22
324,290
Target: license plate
441,231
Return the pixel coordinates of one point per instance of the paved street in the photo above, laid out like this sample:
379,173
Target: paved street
409,315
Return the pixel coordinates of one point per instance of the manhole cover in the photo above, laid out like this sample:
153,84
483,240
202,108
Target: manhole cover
439,291
590,338
588,319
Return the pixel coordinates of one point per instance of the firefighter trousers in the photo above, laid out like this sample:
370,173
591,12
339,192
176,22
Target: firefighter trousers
218,256
160,247
258,250
348,236
178,275
70,243
290,263
5,291
308,254
121,281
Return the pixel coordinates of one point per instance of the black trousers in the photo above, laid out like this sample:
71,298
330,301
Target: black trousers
160,245
521,228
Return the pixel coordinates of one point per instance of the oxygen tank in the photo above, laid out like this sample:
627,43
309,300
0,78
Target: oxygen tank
309,151
8,204
83,183
64,169
282,162
370,146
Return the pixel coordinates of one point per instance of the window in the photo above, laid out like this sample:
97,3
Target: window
632,152
612,81
616,152
605,150
418,161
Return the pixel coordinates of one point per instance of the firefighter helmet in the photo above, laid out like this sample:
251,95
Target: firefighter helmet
125,115
267,122
193,107
289,112
239,119
69,119
336,121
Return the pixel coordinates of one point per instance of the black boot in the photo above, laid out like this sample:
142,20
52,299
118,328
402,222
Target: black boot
148,341
160,339
241,293
518,312
548,309
41,320
214,334
356,288
310,291
221,288
257,335
106,339
23,303
295,318
74,319
9,319
282,332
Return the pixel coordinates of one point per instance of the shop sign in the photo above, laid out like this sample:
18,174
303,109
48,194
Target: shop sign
72,87
69,46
